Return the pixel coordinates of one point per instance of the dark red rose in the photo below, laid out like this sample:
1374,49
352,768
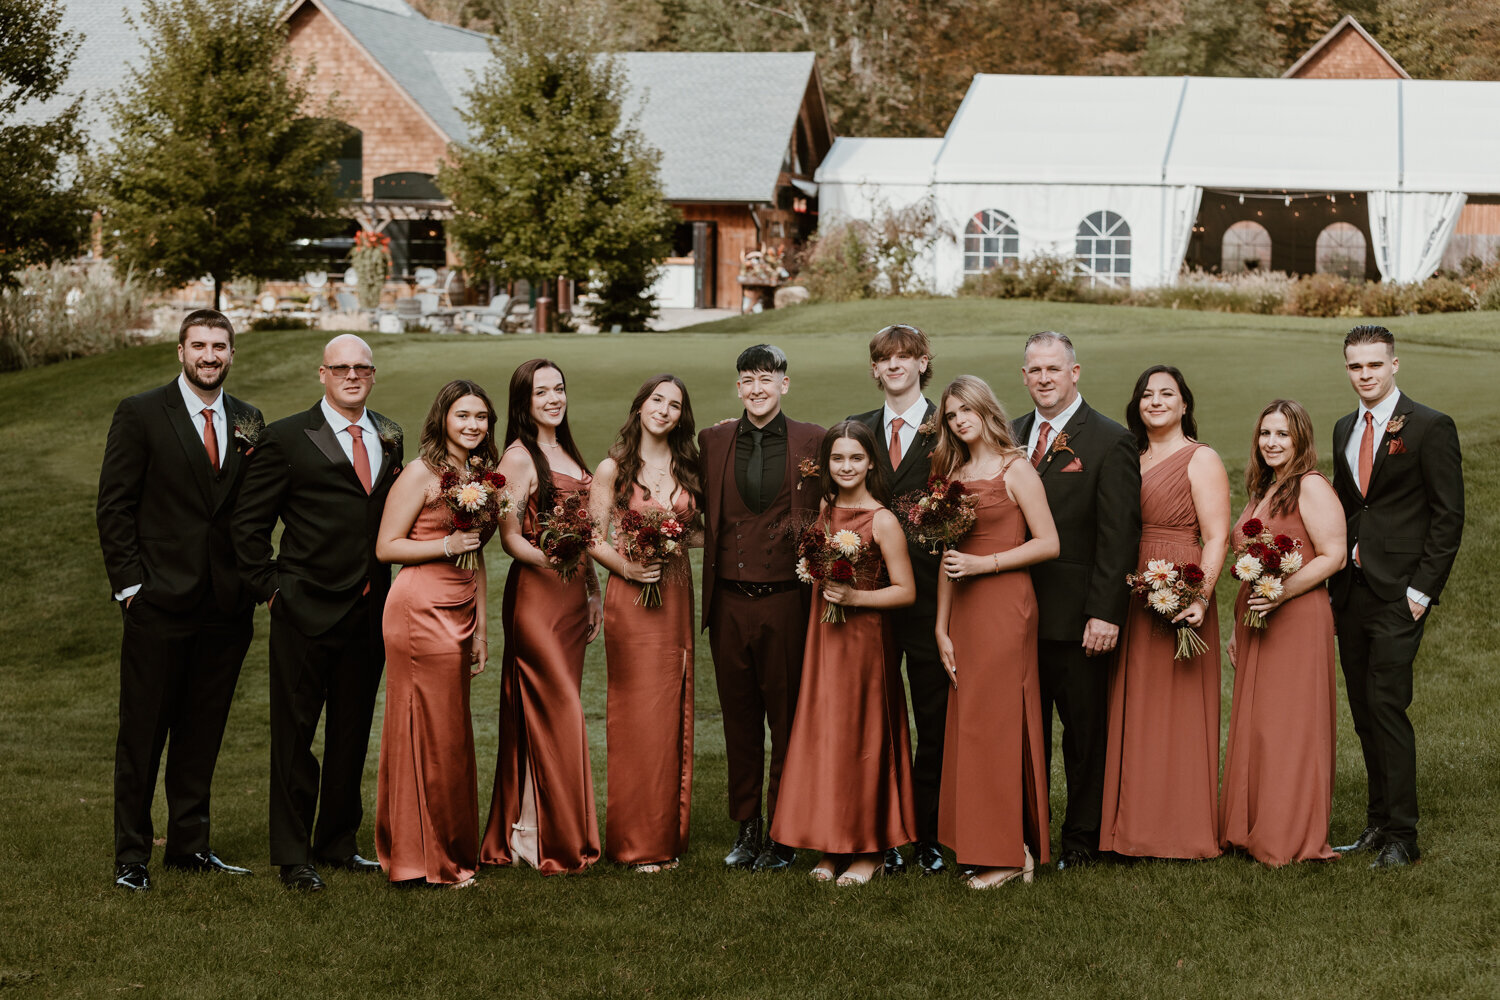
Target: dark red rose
631,520
495,479
1271,561
1252,527
1259,550
1285,543
842,571
1192,574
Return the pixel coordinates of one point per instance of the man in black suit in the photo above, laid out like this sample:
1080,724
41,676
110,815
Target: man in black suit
172,468
324,473
1399,474
1092,474
901,364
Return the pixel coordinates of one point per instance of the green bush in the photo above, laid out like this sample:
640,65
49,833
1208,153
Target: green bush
1041,276
62,312
1323,295
1489,298
1438,294
839,265
1260,292
279,323
1381,298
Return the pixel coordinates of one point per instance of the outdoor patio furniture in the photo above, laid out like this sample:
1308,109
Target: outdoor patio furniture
409,312
489,319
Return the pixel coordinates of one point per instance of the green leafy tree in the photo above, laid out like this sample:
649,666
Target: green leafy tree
554,181
215,165
42,215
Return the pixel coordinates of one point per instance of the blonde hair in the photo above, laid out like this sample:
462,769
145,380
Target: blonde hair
976,394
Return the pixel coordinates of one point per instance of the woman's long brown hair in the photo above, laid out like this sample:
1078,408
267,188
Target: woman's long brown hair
434,440
520,427
1261,478
976,394
680,441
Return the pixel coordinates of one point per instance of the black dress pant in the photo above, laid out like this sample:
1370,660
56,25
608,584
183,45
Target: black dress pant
177,679
339,670
928,683
1079,686
1378,641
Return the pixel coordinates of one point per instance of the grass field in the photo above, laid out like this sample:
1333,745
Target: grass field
1222,928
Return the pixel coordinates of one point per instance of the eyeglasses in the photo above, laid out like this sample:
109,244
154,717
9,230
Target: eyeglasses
344,371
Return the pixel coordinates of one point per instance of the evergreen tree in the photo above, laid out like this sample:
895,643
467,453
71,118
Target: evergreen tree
554,181
215,165
42,215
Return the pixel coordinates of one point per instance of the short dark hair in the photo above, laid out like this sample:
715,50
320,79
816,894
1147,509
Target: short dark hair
898,338
1371,334
211,318
761,358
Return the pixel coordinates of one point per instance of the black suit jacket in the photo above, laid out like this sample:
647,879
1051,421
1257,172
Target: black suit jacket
914,624
163,512
1409,526
301,476
1097,510
716,472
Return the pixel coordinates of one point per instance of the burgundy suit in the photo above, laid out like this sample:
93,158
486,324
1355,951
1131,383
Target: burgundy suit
755,614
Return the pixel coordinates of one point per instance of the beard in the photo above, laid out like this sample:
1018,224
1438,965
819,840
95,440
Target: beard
208,382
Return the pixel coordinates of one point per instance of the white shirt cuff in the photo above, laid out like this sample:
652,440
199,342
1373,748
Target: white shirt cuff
130,592
1418,596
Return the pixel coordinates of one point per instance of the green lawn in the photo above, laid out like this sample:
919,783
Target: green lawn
1220,928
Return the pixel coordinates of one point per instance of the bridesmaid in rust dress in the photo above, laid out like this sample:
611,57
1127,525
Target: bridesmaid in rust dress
992,809
846,788
1278,769
427,805
1161,777
652,469
542,810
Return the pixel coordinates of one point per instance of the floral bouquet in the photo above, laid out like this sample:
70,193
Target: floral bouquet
475,500
835,556
650,536
1264,561
566,532
938,516
1168,589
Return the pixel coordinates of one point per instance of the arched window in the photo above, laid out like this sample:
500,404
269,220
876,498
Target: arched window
1103,250
1341,251
990,240
407,186
1247,247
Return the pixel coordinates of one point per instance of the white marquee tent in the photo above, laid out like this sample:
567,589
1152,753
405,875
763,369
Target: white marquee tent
1112,169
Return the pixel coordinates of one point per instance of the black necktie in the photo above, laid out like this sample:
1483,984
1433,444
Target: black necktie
753,472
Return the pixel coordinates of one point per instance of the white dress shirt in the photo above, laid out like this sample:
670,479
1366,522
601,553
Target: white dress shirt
912,420
1381,414
1058,423
339,423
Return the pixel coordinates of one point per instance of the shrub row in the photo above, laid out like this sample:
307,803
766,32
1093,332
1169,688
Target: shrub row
63,311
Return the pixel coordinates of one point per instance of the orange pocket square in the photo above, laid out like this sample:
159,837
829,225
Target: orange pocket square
1396,447
1074,466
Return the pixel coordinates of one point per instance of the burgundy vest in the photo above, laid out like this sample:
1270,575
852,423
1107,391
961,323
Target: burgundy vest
757,548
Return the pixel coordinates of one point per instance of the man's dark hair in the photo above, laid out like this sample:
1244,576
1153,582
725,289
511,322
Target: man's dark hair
761,358
1371,334
211,318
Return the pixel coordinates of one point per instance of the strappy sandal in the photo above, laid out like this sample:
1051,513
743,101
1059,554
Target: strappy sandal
655,867
1025,874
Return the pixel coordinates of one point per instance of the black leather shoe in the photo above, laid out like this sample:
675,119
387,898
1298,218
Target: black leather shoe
1396,854
1370,839
1074,859
775,858
353,863
302,877
929,857
895,864
132,877
747,844
207,861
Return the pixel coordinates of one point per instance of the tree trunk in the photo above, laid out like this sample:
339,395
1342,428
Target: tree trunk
218,287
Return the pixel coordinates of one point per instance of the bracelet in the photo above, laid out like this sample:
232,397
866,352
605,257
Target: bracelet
446,553
996,557
485,641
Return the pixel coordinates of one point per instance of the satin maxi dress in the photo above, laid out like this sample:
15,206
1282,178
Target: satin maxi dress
846,787
1161,768
649,709
542,729
1279,765
427,802
993,798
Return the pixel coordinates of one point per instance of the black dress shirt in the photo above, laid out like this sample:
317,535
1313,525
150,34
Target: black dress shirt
773,460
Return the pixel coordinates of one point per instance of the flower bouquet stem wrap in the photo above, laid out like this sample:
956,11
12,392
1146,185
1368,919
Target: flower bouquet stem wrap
475,500
834,556
1168,589
566,532
650,536
1264,561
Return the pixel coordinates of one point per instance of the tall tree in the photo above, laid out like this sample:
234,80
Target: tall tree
215,164
42,215
1216,38
554,180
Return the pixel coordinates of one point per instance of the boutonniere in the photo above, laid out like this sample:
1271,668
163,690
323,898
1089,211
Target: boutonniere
928,427
389,431
247,431
1060,443
809,468
1395,446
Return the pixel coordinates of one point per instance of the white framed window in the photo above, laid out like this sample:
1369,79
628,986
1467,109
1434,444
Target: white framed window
1103,250
991,240
1341,251
1247,247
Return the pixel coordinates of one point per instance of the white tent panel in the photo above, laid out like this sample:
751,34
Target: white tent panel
879,161
1060,129
1452,136
1294,135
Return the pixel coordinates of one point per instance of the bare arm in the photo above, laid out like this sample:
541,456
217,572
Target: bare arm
1025,487
1209,484
402,507
601,508
520,473
1323,516
902,591
944,612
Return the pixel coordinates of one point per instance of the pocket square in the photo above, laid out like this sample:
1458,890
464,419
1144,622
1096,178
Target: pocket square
1074,466
1396,447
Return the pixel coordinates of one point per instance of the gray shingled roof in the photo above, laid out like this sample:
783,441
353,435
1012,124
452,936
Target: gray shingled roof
108,47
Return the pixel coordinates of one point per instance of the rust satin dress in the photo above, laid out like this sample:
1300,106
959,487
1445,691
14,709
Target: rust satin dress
1161,768
993,798
541,713
427,803
1279,765
846,787
649,710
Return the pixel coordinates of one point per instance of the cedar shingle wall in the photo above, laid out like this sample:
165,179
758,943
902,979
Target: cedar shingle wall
1348,57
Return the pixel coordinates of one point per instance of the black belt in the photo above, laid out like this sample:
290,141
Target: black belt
755,591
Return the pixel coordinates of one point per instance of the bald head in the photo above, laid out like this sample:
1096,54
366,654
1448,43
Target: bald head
345,342
347,374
